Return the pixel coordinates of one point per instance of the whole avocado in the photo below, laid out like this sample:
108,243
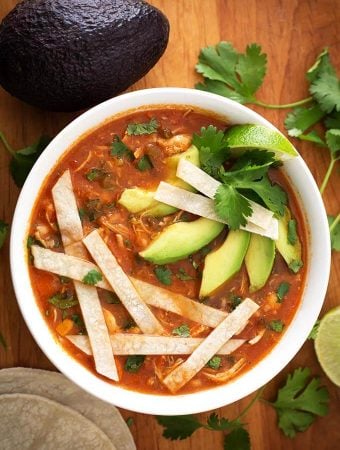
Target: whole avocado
66,55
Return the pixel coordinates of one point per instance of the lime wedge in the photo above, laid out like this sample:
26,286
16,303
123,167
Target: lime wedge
247,137
327,344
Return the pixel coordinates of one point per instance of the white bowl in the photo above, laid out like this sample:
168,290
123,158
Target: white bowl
317,277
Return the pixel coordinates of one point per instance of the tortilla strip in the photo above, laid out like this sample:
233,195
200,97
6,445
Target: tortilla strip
179,304
210,346
71,232
202,206
76,269
121,284
206,184
140,344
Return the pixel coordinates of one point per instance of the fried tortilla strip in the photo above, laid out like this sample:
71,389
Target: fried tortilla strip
76,268
141,344
71,233
122,285
206,184
210,346
179,304
202,206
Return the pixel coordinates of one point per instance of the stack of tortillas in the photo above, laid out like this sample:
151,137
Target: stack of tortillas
44,410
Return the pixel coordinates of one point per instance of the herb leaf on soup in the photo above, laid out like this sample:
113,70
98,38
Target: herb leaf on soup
183,276
137,129
3,232
144,163
120,150
292,234
213,149
215,362
164,275
182,330
92,277
62,301
134,363
276,325
282,291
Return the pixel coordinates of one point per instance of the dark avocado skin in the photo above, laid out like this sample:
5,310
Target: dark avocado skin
66,55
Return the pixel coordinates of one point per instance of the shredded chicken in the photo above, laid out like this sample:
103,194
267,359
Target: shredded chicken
43,234
176,144
83,164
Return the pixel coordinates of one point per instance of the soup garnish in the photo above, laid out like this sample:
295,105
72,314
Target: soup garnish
174,260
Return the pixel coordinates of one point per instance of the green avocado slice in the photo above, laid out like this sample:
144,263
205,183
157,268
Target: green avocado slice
291,253
138,200
259,260
223,263
180,240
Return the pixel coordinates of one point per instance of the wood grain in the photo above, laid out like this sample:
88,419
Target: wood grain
292,33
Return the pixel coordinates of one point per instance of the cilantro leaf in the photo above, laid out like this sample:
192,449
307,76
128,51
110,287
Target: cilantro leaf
314,330
325,85
213,149
256,157
95,174
92,277
276,325
63,301
292,236
179,427
282,291
333,142
163,274
134,363
231,74
144,163
312,136
237,439
183,276
334,232
231,206
120,150
221,424
299,402
23,160
182,330
3,232
300,119
137,129
215,362
333,120
256,179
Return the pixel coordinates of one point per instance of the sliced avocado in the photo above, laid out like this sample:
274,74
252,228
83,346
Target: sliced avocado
78,52
180,240
290,253
259,260
137,200
223,263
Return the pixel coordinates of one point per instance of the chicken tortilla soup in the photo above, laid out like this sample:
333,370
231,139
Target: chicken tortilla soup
167,249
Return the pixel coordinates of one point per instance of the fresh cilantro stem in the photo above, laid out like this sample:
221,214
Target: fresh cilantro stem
253,400
334,223
328,174
6,144
284,106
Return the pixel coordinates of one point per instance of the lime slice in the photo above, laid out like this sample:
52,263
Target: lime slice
327,344
247,137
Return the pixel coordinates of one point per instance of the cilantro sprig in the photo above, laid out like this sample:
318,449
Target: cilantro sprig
299,402
23,160
236,75
249,173
138,129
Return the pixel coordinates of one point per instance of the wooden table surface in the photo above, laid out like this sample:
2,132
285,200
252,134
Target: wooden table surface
292,33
